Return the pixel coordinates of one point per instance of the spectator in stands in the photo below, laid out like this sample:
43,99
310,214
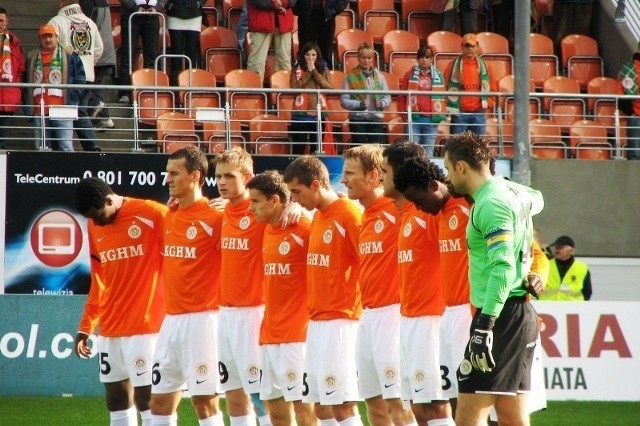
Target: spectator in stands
366,116
51,64
569,279
100,13
242,27
571,17
426,110
79,33
629,84
184,20
467,11
147,27
269,20
317,22
12,72
310,73
468,73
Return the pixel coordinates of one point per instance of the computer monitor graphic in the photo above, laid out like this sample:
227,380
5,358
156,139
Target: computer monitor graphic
56,238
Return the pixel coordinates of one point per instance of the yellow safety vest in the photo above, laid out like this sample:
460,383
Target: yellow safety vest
570,287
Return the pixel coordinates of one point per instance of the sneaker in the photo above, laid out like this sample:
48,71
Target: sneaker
98,109
124,99
105,124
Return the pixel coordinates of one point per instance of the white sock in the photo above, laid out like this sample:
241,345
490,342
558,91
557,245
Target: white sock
146,417
218,420
441,422
157,420
330,422
249,420
126,417
413,424
351,421
209,421
264,420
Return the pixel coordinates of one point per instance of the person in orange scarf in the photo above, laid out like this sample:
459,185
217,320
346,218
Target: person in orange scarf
12,72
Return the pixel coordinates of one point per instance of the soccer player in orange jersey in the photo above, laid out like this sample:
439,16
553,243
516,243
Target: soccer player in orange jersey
423,183
378,343
421,298
187,345
241,290
284,326
333,293
126,298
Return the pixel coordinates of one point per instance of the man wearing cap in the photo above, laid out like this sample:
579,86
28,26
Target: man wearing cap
468,73
629,84
51,64
12,72
79,33
569,279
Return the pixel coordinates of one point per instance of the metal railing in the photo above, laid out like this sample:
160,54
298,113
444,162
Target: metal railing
596,130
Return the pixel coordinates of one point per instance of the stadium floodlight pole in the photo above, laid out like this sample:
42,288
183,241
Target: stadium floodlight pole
522,24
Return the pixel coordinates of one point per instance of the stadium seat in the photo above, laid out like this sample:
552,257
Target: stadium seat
399,51
588,135
494,50
279,80
196,84
563,110
175,130
602,107
507,103
231,10
270,135
347,43
378,17
210,11
492,43
543,17
418,19
215,135
393,110
543,63
220,52
152,102
581,59
245,104
546,139
445,42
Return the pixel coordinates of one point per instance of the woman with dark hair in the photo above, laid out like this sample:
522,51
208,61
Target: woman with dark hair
309,73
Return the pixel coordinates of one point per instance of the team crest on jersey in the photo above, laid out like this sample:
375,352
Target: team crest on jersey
330,381
134,232
453,222
244,223
419,376
327,236
284,248
465,367
254,371
291,376
407,230
202,369
379,226
55,77
140,363
192,232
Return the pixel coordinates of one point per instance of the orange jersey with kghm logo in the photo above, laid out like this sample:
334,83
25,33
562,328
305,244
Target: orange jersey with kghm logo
378,249
192,258
332,262
419,264
127,292
454,260
241,279
284,257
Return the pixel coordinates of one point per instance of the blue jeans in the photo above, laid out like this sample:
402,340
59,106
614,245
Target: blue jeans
242,27
424,132
474,121
58,133
633,138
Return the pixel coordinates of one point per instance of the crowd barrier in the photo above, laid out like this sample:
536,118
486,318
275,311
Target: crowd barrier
561,125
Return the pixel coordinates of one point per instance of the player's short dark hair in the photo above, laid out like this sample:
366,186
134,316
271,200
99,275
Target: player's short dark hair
195,160
270,183
3,11
307,169
468,147
91,193
418,172
397,153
